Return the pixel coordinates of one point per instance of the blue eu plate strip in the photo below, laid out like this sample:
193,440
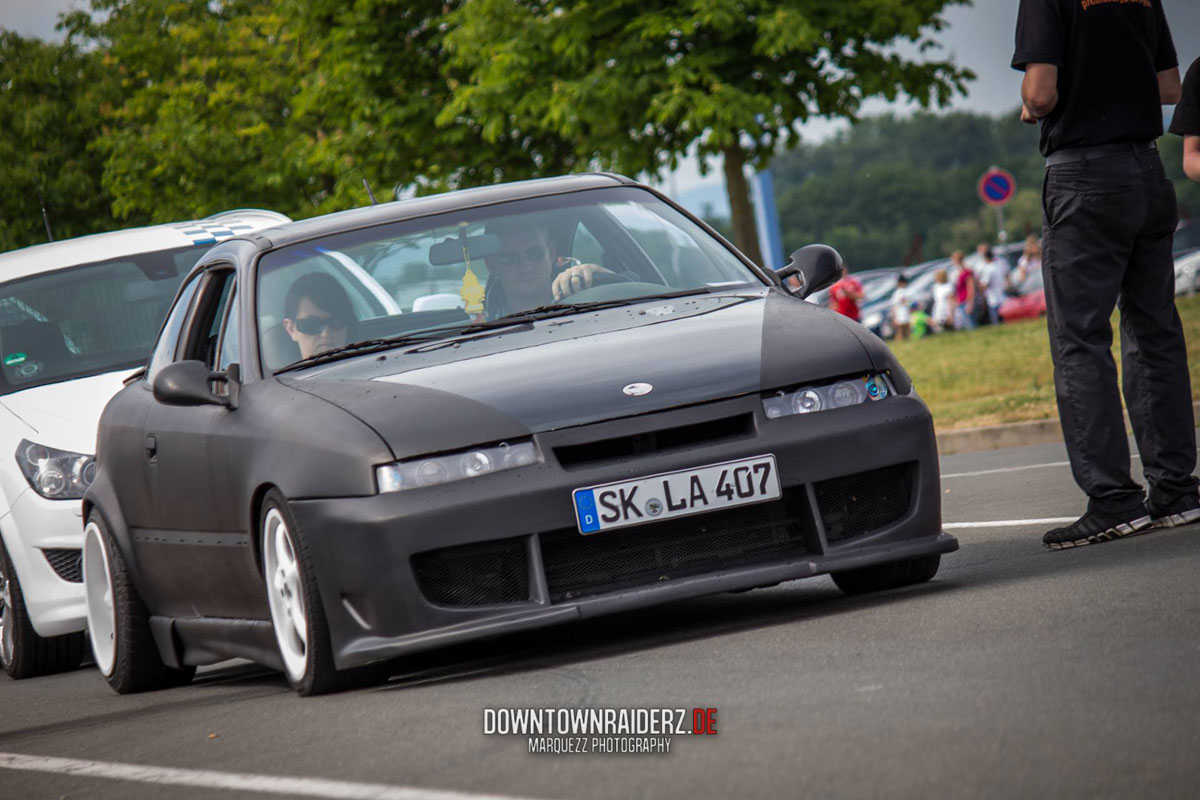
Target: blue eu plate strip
585,509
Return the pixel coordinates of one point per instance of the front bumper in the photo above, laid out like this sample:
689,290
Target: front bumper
34,529
500,553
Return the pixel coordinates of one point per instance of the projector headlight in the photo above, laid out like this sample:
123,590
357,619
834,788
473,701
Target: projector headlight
435,470
55,474
808,399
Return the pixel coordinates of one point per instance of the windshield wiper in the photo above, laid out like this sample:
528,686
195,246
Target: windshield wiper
562,309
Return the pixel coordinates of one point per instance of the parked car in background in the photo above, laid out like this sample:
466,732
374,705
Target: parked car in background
441,476
1187,273
76,317
1028,302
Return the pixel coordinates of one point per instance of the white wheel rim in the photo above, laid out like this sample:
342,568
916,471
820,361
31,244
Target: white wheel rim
285,594
101,610
8,644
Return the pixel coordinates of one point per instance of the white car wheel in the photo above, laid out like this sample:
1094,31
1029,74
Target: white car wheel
8,644
285,594
98,589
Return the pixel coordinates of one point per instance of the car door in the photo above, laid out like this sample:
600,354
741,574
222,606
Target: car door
197,517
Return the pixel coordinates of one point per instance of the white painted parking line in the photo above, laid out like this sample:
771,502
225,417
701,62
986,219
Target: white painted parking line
1006,469
1009,523
210,779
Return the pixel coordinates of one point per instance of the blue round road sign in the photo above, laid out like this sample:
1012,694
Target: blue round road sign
997,187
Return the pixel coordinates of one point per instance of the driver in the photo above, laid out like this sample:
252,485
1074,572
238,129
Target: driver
317,314
526,272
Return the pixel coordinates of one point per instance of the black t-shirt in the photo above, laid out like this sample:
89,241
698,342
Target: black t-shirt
1187,114
1108,54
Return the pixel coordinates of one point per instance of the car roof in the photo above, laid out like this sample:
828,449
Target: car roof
413,208
114,244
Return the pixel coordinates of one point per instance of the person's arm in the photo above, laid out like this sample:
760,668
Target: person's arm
1170,88
1191,157
1039,91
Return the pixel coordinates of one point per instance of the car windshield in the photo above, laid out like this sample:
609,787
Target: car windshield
86,320
439,275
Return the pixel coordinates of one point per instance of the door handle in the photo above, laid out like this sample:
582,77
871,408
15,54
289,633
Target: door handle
151,447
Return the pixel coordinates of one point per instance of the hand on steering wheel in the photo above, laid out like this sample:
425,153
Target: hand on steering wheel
582,276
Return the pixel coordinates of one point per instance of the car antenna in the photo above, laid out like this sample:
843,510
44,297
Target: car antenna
370,194
45,216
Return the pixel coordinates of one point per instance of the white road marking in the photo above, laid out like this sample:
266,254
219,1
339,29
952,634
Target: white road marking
210,779
1019,469
1009,523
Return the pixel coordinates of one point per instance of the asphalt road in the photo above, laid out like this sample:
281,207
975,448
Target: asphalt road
1016,672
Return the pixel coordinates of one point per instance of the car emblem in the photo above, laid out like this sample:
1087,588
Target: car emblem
638,389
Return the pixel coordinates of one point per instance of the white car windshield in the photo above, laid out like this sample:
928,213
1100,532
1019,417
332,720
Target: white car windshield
88,319
479,265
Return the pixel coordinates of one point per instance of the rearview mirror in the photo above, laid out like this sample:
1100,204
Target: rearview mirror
816,266
189,383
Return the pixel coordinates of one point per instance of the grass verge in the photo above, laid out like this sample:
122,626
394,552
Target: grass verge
1003,374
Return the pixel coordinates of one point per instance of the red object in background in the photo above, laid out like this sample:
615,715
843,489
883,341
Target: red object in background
1027,306
843,304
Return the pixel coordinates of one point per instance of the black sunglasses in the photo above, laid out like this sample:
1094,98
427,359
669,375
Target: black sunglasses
510,258
311,326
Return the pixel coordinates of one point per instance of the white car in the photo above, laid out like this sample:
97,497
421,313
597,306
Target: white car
76,317
1187,273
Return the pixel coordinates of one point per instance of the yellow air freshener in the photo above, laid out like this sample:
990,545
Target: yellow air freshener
472,293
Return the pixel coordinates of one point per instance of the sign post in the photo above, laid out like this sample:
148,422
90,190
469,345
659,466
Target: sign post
996,189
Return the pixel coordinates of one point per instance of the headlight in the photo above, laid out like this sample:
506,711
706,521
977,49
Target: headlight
55,474
419,472
809,399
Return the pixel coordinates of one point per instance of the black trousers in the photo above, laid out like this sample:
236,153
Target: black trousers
1108,226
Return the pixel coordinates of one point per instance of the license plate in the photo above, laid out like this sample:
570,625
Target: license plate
676,494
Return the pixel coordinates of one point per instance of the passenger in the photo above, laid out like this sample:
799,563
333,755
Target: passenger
317,314
526,272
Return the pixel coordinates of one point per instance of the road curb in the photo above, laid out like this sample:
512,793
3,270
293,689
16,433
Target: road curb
1012,434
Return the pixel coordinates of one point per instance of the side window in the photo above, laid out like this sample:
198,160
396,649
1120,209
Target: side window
229,344
168,339
215,294
585,247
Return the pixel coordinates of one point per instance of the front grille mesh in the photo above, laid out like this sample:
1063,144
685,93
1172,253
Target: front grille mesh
480,574
864,502
577,565
68,563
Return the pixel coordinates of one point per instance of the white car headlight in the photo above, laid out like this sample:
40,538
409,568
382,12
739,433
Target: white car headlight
55,474
420,472
809,399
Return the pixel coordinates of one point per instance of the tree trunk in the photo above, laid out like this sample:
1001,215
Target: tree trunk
745,235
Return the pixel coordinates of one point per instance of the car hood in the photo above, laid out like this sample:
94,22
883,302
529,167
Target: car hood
573,371
64,415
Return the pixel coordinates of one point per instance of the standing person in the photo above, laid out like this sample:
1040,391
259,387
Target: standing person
993,274
845,294
1187,121
901,309
943,301
964,293
1030,262
1096,74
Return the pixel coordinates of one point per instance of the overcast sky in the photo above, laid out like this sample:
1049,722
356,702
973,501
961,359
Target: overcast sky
979,36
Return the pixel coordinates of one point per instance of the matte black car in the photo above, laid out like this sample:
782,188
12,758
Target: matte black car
669,422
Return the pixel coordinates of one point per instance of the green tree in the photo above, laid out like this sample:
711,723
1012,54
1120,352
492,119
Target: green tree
636,83
51,96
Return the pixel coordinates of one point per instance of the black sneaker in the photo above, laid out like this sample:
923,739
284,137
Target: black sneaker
1183,511
1095,527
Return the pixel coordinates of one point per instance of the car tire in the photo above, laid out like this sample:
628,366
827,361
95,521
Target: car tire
297,616
122,643
23,653
919,569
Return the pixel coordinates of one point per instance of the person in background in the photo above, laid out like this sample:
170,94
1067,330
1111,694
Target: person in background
943,301
845,294
1030,262
1096,77
1186,122
964,292
993,274
901,309
922,325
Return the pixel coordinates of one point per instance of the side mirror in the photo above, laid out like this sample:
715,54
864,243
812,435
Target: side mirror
190,383
816,266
